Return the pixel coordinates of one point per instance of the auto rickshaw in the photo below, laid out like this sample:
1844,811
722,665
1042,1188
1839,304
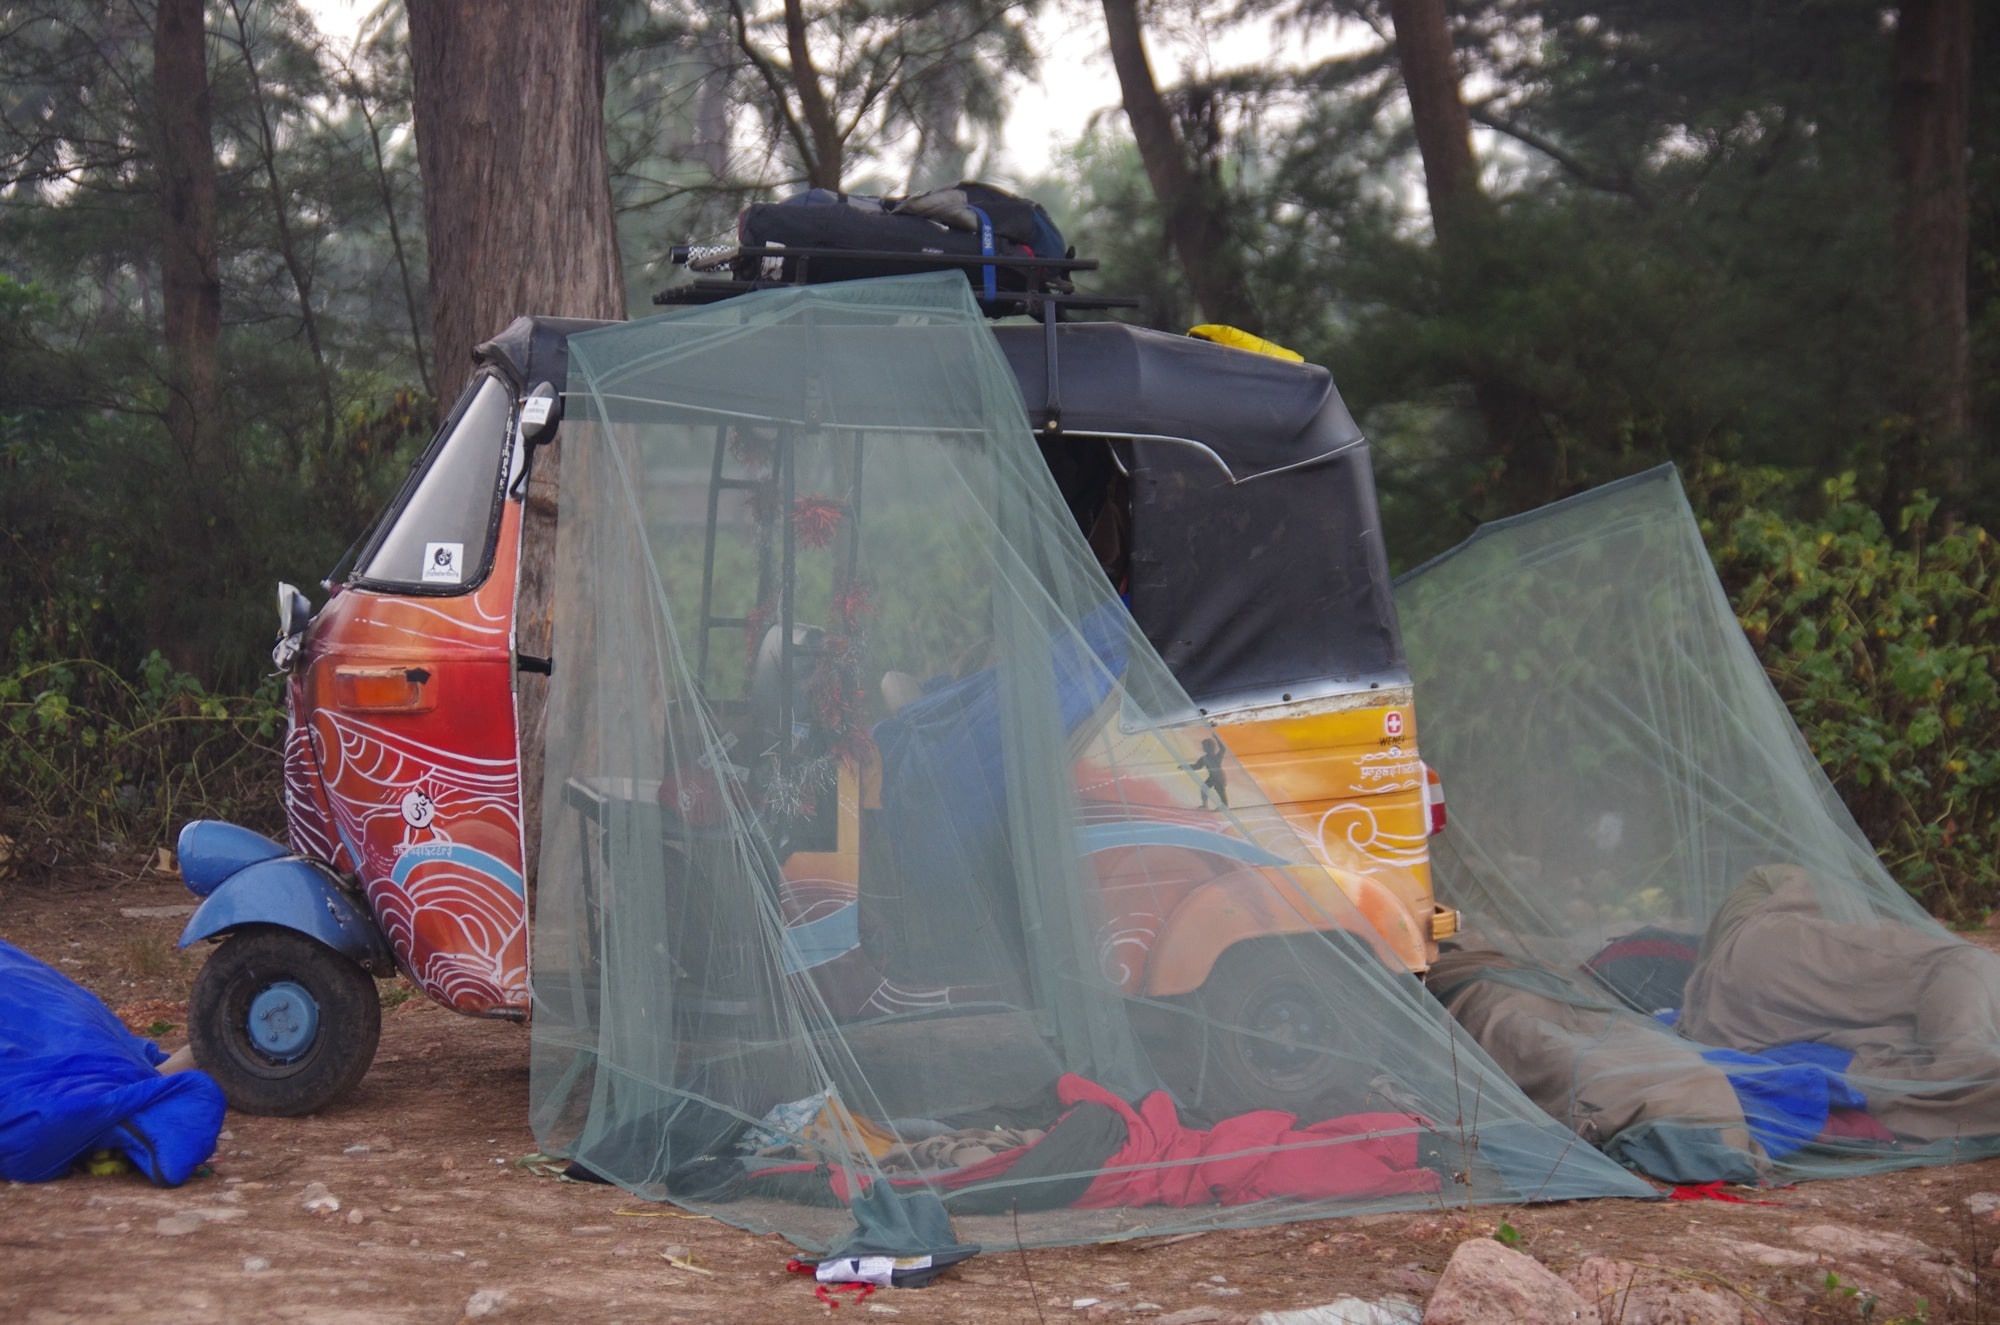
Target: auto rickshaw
1229,498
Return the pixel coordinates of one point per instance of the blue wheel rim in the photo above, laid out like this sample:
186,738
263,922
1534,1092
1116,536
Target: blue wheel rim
284,1018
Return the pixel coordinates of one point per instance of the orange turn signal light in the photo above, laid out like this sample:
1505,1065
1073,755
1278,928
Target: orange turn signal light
382,689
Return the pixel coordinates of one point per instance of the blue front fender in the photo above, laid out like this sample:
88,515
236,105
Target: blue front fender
293,894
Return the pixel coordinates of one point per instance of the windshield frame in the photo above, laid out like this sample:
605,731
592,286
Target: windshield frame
364,551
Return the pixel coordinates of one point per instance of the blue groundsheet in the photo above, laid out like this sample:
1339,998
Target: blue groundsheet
74,1081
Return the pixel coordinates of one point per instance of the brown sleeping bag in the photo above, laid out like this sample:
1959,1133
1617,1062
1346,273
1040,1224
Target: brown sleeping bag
1597,1068
1919,1009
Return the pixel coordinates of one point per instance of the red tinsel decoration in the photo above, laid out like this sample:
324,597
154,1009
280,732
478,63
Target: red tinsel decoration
817,520
763,502
751,447
852,605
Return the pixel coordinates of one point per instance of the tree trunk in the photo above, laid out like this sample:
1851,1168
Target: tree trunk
1929,114
281,213
1194,208
189,271
385,188
509,101
827,165
517,188
1532,472
1444,130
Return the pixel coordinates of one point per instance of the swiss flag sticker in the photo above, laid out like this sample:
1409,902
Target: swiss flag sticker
1392,723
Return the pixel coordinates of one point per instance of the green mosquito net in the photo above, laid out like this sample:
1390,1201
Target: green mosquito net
1675,937
883,861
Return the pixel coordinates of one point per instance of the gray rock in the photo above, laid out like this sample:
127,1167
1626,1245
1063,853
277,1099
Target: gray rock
319,1200
1835,1240
1645,1295
1193,1316
187,1221
1758,1253
1486,1282
486,1302
1347,1311
1983,1203
255,1264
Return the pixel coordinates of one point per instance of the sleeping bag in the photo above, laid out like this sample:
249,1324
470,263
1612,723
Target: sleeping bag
73,1080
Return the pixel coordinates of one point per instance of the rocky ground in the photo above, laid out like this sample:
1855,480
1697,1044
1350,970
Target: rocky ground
411,1201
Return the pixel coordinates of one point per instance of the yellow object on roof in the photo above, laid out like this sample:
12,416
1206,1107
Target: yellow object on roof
1243,340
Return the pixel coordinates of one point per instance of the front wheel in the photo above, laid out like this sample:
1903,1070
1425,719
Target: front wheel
282,1022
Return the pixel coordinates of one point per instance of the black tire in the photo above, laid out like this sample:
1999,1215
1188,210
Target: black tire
325,1062
1272,1030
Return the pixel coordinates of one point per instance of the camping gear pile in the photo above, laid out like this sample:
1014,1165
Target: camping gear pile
1675,938
957,675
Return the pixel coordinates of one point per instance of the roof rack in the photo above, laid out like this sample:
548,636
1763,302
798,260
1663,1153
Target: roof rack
1047,305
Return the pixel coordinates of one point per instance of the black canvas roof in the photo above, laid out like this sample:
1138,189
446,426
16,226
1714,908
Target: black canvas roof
1256,412
535,349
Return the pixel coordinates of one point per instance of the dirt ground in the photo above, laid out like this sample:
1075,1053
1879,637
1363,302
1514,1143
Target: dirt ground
436,1217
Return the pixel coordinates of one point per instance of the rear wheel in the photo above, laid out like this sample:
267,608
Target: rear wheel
1272,1028
284,1024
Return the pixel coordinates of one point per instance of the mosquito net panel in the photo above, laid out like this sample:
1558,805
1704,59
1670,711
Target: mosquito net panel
1676,939
873,900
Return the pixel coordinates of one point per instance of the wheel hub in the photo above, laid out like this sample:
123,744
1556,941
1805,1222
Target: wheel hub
1285,1032
284,1018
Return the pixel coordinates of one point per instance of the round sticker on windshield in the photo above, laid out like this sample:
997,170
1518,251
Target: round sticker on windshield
444,563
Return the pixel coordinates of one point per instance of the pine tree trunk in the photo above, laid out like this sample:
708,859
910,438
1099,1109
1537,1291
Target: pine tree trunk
509,100
1444,130
517,188
1930,111
1194,209
189,274
1532,471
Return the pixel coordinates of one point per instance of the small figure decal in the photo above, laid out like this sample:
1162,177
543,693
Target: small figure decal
1213,778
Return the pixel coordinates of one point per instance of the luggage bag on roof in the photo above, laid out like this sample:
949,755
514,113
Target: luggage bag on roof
969,220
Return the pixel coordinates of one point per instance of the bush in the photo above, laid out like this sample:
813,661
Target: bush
1883,644
93,762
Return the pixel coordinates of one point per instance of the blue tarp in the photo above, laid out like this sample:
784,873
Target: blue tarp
1788,1091
73,1081
943,821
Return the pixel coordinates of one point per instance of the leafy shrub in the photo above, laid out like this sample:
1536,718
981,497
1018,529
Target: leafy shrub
1883,643
91,761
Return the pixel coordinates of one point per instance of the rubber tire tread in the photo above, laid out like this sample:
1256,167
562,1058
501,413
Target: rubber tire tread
1239,975
350,1021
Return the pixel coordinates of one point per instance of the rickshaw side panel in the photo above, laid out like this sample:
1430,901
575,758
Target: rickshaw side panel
411,710
1351,782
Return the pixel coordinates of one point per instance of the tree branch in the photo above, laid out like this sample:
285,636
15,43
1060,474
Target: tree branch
1584,173
780,96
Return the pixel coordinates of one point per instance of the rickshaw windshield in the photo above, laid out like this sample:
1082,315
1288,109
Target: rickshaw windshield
437,535
859,815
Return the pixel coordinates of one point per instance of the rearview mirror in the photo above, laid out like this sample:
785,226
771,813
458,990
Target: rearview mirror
540,413
294,615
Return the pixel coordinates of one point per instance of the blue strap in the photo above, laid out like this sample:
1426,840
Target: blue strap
986,251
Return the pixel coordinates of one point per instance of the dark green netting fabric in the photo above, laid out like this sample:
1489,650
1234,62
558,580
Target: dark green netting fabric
862,837
1676,939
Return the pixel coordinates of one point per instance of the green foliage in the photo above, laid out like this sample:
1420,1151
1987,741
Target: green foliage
1885,644
92,760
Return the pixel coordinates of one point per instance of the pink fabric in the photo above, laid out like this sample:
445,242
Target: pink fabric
1855,1125
1251,1157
